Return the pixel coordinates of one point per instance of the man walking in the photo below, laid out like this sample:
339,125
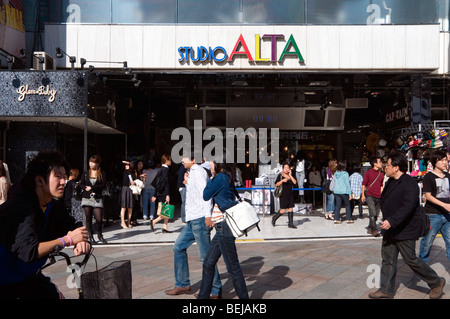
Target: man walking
195,230
403,223
372,186
437,193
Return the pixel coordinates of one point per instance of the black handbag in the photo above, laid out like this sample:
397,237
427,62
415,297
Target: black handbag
326,187
278,191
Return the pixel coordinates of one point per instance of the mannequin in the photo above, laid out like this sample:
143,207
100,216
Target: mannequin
301,166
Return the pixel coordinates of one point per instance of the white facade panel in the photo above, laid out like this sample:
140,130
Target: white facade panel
330,48
93,43
444,58
393,47
325,53
158,47
422,47
355,47
127,44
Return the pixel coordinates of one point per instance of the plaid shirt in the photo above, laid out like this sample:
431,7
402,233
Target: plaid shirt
356,183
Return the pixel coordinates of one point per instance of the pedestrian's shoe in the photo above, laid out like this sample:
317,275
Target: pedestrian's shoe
436,292
275,217
291,220
178,291
101,240
380,295
211,296
152,227
376,233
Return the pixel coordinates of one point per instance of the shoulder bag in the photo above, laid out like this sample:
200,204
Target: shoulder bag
241,218
278,190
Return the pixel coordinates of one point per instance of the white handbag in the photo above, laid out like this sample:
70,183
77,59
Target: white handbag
241,218
137,189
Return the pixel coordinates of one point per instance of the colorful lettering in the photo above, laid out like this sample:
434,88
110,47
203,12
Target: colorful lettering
291,42
246,51
203,54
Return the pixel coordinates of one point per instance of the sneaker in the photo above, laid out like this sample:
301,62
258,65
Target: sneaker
436,292
350,221
338,222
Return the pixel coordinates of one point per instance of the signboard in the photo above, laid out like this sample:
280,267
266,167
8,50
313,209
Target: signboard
42,93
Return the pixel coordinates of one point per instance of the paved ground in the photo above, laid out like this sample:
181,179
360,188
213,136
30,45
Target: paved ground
318,260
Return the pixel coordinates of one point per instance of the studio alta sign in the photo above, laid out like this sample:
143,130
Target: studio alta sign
24,90
220,54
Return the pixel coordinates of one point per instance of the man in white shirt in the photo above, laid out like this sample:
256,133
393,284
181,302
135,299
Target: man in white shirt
195,230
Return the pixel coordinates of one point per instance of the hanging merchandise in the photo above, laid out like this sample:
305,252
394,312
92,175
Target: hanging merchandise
419,141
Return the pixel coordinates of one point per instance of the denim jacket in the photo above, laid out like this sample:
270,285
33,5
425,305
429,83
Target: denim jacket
221,191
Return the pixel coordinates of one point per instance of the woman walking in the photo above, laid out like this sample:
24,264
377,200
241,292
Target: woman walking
92,183
221,189
162,195
287,195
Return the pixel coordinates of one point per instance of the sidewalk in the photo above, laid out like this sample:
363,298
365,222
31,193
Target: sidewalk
311,226
318,260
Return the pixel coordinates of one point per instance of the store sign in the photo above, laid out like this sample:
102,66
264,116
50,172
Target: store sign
397,115
220,54
24,91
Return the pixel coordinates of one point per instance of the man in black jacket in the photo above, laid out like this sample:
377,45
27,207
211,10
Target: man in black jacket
32,222
403,223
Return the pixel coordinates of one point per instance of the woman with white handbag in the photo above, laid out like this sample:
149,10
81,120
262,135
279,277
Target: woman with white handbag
220,188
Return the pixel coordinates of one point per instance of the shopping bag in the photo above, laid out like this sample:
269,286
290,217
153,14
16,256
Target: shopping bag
166,210
110,282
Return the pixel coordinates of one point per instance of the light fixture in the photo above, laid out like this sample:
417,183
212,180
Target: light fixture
60,54
9,59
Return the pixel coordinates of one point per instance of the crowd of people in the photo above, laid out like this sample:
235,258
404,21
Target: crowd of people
33,221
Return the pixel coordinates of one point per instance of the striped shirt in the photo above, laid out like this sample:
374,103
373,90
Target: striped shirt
195,206
217,215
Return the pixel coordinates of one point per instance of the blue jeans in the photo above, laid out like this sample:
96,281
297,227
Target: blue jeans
147,195
194,231
337,209
182,191
330,203
438,223
222,244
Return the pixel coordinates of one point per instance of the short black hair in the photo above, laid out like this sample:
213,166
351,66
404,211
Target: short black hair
400,160
342,165
374,160
436,156
42,165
